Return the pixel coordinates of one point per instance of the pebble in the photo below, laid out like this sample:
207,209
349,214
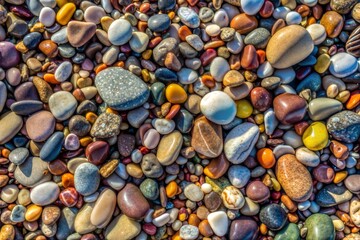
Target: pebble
239,176
251,7
139,41
10,125
32,172
218,68
295,45
47,16
188,17
240,141
351,183
290,231
343,65
40,126
193,193
315,136
273,216
86,179
307,157
122,226
82,222
218,107
343,126
218,222
132,202
10,57
44,193
319,226
151,166
113,85
19,155
52,147
79,33
62,105
289,108
169,148
322,108
9,193
189,232
294,178
332,195
159,22
106,125
243,228
103,208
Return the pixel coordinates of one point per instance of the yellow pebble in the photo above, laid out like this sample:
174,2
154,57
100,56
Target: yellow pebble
340,176
61,3
146,54
145,74
109,110
244,108
276,185
171,189
175,94
315,136
85,141
259,118
105,22
322,63
91,117
65,13
33,213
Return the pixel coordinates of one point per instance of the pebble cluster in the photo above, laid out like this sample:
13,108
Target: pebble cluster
179,119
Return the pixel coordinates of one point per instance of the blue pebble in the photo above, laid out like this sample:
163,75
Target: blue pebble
32,40
312,82
52,147
309,61
159,22
165,75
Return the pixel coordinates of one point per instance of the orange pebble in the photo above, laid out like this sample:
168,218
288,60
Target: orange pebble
67,180
109,110
5,152
266,157
171,189
194,220
311,20
119,64
354,100
173,111
293,217
289,204
183,32
91,117
50,78
176,236
261,55
263,229
85,141
100,67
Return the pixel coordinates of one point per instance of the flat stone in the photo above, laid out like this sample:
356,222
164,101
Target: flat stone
52,147
343,126
10,125
103,209
19,155
45,193
82,222
40,126
86,179
289,46
169,148
106,125
26,107
66,223
79,33
122,226
294,178
332,195
207,138
121,89
32,172
151,166
240,141
193,193
62,105
132,202
319,226
322,108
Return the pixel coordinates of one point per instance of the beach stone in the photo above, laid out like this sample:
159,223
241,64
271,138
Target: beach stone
259,37
307,157
243,228
150,189
132,202
290,231
159,22
45,193
193,193
9,57
82,221
322,108
19,155
218,222
288,46
151,166
354,211
32,172
126,143
114,84
63,71
343,65
79,126
251,7
342,6
9,193
103,209
273,216
240,141
352,183
188,17
62,105
239,176
137,116
217,167
86,179
50,215
18,214
294,178
218,68
317,32
352,46
52,147
169,148
332,195
315,136
119,32
40,126
218,107
10,125
189,232
66,223
139,41
323,173
79,33
122,226
319,226
232,198
106,125
257,191
3,95
94,14
289,108
344,126
47,16
164,47
26,107
207,138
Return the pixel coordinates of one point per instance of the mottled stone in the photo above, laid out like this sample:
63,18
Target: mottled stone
106,125
319,226
332,195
